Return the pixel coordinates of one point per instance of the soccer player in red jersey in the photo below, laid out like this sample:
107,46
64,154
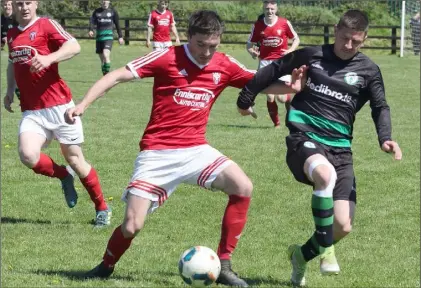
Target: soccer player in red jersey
161,21
173,149
272,32
36,47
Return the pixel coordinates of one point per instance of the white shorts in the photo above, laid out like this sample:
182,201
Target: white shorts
49,122
157,173
264,63
161,45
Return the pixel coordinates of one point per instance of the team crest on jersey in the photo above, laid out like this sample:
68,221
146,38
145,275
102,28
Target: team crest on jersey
32,35
216,77
351,78
108,14
279,31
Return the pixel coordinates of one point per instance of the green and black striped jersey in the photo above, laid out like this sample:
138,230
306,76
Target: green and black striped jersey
335,91
104,20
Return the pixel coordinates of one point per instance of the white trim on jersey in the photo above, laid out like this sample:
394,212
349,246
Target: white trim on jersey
292,30
270,25
144,60
29,24
60,30
235,61
251,34
149,20
186,49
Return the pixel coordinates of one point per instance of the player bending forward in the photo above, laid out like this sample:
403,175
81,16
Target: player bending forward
173,149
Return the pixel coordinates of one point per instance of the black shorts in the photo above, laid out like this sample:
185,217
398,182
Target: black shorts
300,147
101,45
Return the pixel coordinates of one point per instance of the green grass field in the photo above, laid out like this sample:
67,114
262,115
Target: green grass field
44,243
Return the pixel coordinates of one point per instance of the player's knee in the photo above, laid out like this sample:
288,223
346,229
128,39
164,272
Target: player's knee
131,227
77,163
323,174
29,158
344,229
245,189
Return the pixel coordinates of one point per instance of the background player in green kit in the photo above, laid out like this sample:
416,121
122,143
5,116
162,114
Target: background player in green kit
104,18
340,80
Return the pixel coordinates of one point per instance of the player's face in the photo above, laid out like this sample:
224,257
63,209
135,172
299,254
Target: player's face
162,5
105,4
7,8
348,42
270,9
202,47
25,11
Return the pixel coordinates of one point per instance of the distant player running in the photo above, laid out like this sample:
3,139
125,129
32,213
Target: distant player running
340,81
104,18
161,21
271,33
36,47
188,80
8,21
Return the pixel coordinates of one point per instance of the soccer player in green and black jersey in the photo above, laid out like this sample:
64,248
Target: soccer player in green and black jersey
104,18
340,80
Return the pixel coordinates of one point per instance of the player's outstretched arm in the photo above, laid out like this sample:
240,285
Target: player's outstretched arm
11,86
298,80
104,84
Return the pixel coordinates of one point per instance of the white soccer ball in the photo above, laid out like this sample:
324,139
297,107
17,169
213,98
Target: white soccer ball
199,266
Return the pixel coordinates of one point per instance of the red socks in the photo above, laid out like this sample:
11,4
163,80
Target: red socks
116,247
234,220
91,183
273,112
47,167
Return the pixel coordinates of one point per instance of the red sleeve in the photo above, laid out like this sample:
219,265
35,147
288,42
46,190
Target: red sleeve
57,36
150,20
149,65
290,30
240,75
255,34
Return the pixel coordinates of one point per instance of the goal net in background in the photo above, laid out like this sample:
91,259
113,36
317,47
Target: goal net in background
410,28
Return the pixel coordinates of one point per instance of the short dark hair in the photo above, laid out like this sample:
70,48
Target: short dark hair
354,19
205,22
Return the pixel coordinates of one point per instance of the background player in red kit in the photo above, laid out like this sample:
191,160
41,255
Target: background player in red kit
161,21
173,149
36,47
272,32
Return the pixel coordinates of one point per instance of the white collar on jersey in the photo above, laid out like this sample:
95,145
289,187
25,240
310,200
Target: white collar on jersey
157,11
29,24
270,25
186,49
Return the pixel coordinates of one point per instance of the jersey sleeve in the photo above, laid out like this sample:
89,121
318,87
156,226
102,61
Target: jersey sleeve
150,20
254,36
380,111
92,21
290,31
240,75
116,20
172,21
149,65
57,36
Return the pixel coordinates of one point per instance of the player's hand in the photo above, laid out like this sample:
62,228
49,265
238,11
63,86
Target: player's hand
121,41
254,53
286,51
40,62
177,41
247,112
298,78
8,103
91,34
4,39
392,147
71,114
148,43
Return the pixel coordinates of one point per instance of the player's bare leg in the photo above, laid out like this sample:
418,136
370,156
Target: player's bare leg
106,63
29,147
235,183
344,212
273,110
89,178
134,219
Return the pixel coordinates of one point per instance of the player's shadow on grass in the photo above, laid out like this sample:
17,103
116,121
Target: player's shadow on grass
261,281
76,274
12,220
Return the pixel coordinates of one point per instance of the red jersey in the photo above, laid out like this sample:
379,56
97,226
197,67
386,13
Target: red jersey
273,38
45,89
183,94
161,24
